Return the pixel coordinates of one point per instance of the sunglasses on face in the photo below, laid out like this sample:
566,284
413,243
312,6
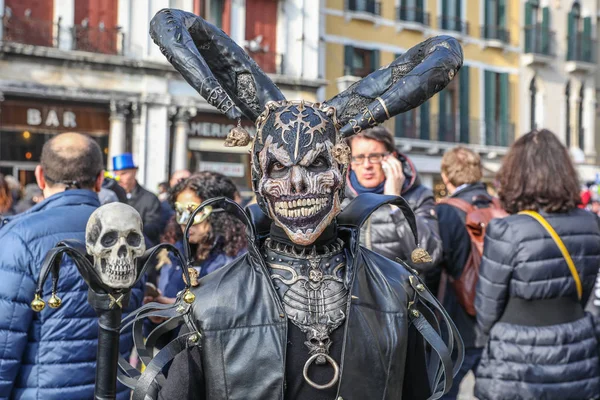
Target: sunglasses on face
183,212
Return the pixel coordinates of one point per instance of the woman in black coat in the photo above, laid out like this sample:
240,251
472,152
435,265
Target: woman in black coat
540,344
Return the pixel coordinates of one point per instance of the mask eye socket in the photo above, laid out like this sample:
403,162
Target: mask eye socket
276,168
319,164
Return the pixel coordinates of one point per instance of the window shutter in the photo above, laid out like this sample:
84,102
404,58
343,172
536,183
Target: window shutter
571,36
501,4
420,11
399,125
351,4
489,12
545,34
529,28
424,119
490,107
348,60
457,19
586,39
442,118
445,14
374,60
504,109
463,103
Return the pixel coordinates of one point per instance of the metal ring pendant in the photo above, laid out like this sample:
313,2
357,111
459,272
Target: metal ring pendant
336,371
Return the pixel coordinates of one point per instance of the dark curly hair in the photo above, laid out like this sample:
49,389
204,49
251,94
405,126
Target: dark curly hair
228,232
537,174
6,199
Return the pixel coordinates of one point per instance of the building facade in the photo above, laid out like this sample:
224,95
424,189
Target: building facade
528,64
90,66
480,108
559,75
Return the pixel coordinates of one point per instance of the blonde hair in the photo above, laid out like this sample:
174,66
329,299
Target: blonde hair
461,165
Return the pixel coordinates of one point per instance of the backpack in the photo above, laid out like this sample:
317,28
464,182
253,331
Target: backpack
477,220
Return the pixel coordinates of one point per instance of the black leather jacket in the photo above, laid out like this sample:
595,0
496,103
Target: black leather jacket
244,336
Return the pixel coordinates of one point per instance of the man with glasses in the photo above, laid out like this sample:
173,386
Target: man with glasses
376,167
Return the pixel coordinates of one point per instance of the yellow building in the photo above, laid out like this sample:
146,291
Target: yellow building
479,108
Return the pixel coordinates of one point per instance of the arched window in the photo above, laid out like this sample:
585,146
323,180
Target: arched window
568,114
580,130
532,109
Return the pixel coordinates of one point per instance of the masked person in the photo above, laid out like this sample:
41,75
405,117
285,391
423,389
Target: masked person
307,313
216,237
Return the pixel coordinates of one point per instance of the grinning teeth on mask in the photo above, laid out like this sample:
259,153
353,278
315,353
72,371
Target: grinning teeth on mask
301,208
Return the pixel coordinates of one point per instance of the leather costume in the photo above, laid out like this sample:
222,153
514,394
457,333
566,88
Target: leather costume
358,312
242,329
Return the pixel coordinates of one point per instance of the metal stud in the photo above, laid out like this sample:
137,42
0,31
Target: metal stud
415,313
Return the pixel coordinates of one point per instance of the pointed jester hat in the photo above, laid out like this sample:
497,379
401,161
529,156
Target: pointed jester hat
299,153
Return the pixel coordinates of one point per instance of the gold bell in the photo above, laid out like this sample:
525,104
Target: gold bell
189,297
54,301
38,304
420,255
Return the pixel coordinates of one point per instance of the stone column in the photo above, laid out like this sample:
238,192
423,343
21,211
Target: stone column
138,142
589,119
116,139
64,10
182,117
157,144
238,21
1,18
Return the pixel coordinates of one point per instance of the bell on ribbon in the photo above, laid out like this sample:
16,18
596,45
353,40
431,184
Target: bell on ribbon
238,136
420,256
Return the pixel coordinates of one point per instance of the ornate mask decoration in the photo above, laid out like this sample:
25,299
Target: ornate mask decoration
298,181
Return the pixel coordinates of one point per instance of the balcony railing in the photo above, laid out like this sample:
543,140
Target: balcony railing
411,14
97,39
368,6
453,24
581,48
492,32
448,129
499,134
269,62
539,40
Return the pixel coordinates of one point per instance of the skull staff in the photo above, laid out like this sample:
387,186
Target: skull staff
115,243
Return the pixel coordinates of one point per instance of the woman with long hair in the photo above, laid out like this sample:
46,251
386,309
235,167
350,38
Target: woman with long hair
6,199
216,238
538,270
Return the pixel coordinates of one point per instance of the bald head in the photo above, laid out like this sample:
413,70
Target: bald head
72,159
179,176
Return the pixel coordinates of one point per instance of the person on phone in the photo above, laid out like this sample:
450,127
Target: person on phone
376,167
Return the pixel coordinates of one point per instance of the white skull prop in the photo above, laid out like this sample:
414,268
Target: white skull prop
114,238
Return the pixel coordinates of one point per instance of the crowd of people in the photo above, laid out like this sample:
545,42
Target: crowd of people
516,273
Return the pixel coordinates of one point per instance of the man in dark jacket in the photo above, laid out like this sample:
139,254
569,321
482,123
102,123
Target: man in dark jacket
461,173
52,354
143,201
376,167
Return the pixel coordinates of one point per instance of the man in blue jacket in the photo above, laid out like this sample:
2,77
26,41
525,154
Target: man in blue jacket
51,355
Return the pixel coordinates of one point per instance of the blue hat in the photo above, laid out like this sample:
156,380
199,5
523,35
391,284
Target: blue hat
123,161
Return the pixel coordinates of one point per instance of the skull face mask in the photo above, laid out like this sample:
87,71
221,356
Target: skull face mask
298,181
114,238
298,157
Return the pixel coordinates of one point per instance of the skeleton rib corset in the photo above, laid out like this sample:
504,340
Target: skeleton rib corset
312,290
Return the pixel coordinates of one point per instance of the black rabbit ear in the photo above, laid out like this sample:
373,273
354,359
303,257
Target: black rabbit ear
406,83
213,64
